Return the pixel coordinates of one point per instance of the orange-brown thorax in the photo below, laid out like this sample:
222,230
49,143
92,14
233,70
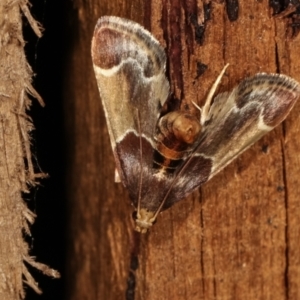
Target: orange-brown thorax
175,137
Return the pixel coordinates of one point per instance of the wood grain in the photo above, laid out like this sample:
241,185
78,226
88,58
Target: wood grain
238,237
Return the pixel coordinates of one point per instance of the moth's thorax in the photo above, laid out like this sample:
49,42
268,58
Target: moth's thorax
144,220
175,136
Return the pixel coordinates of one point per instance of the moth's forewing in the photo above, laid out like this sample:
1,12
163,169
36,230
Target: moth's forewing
129,66
235,121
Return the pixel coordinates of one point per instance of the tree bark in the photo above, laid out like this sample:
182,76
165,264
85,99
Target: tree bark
238,236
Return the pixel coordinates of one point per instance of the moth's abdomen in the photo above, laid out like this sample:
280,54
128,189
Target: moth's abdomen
175,138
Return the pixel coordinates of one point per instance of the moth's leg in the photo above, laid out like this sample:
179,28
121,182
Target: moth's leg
117,176
197,106
205,109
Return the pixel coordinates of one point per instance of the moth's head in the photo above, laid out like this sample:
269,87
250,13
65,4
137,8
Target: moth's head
144,219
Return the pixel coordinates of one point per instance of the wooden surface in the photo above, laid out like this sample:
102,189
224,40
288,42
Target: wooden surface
17,170
238,237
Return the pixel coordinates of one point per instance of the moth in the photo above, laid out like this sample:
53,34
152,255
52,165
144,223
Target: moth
161,157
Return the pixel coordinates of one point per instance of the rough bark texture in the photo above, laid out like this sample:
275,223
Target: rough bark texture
16,169
238,237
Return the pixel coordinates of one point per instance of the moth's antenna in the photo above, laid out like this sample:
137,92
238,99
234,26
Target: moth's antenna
204,113
174,180
205,109
141,162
